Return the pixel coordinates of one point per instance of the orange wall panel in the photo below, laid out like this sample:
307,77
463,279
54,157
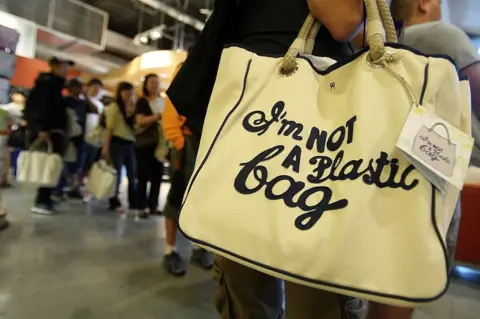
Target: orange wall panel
27,70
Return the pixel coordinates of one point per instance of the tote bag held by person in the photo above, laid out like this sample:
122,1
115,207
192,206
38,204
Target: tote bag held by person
38,167
102,181
298,174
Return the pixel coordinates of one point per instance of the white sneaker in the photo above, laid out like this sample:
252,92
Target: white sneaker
43,209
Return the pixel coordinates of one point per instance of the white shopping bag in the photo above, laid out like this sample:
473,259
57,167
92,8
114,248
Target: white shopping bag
102,180
298,174
39,168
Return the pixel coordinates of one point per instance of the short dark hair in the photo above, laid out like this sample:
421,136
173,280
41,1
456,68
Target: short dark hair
18,92
402,9
74,83
95,81
54,61
145,89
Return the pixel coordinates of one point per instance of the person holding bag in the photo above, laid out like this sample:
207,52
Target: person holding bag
46,116
148,112
313,188
184,151
118,147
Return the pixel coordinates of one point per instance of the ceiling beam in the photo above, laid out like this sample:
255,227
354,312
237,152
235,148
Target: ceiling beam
175,14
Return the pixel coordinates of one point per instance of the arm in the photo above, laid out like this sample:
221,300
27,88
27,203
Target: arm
45,100
341,17
143,112
108,132
172,126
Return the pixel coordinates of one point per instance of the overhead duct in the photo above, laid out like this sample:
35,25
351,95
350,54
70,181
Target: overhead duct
119,43
175,13
78,26
98,63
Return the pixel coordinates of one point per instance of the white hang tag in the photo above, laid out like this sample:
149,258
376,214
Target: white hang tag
437,149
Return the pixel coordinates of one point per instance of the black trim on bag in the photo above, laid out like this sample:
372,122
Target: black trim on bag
351,58
425,82
285,273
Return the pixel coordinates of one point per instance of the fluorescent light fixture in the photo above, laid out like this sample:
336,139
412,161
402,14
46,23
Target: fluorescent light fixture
206,11
155,35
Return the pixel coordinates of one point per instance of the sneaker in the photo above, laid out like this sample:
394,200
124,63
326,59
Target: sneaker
174,264
43,209
202,258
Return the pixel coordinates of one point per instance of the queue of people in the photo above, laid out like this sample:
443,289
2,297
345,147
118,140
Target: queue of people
139,136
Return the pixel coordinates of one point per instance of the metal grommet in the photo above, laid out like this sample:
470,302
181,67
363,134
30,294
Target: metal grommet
372,64
285,74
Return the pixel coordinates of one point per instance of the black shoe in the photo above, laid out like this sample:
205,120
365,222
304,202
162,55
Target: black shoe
141,214
174,264
75,194
202,258
3,223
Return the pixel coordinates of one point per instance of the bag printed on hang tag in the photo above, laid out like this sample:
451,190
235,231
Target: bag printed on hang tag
440,151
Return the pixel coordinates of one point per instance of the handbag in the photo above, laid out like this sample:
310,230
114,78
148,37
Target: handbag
74,129
95,137
71,154
40,168
298,174
147,136
102,180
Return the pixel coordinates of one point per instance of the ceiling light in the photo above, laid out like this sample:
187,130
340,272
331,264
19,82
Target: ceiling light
205,11
144,39
155,35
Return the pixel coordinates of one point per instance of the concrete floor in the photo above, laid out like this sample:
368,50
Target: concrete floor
87,263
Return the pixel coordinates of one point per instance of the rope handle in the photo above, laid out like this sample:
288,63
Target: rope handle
379,25
36,143
446,130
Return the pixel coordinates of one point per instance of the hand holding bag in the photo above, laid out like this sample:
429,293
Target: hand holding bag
298,174
102,180
39,168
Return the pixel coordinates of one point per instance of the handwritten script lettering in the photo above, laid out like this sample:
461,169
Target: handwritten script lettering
434,152
316,198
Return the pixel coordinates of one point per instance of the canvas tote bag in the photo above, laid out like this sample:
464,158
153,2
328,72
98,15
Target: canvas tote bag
102,181
298,175
39,168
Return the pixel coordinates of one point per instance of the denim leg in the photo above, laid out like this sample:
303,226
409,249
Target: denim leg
131,167
117,155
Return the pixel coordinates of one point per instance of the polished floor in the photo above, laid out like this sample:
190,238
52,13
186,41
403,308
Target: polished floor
87,263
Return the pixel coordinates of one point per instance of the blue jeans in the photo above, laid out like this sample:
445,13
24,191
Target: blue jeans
71,168
122,153
91,154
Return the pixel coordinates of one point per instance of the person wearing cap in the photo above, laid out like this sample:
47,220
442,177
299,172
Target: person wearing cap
46,117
